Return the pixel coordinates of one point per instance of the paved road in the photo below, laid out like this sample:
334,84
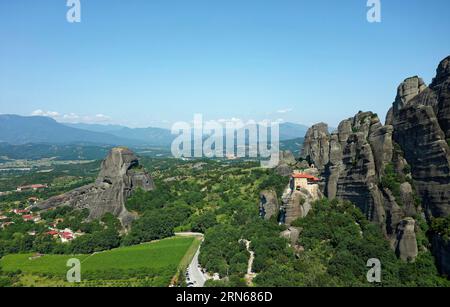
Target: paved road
193,270
189,234
195,274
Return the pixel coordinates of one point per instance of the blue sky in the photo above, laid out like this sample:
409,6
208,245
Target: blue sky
153,62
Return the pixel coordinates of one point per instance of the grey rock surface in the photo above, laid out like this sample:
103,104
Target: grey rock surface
414,142
119,176
406,244
316,145
268,205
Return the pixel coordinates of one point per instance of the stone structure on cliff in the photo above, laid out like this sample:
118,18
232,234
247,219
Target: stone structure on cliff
296,203
119,176
353,164
385,169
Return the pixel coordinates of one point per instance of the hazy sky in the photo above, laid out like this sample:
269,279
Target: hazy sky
151,62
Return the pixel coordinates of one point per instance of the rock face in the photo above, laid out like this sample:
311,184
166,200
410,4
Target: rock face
316,145
384,169
355,158
292,234
420,116
406,243
286,164
297,204
119,176
421,123
268,205
441,251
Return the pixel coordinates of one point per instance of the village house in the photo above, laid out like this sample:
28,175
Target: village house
27,218
52,233
65,235
33,187
20,211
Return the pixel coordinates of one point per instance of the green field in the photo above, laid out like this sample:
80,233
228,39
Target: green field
156,262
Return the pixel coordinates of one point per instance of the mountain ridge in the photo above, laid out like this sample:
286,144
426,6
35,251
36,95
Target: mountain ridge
19,130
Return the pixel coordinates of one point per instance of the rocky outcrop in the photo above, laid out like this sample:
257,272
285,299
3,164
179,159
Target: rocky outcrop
358,153
316,145
119,176
363,160
292,234
406,243
297,203
268,204
421,127
441,251
420,116
286,164
386,169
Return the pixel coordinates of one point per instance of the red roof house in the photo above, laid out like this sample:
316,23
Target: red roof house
28,217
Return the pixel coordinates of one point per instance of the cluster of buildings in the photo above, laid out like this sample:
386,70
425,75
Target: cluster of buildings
31,187
65,235
26,215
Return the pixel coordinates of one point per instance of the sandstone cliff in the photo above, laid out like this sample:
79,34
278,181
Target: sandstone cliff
420,116
119,176
353,162
390,171
421,120
297,203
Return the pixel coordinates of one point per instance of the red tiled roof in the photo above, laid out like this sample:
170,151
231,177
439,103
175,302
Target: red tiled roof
38,186
66,235
52,232
27,217
305,176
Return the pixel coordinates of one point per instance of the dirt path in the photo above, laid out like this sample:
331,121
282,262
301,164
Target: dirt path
250,274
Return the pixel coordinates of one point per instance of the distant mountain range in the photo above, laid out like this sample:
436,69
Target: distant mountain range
15,129
143,136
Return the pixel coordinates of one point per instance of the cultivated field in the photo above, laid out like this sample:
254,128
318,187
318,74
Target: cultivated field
151,264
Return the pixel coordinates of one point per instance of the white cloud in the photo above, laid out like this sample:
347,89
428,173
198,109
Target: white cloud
40,112
71,117
100,118
284,111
